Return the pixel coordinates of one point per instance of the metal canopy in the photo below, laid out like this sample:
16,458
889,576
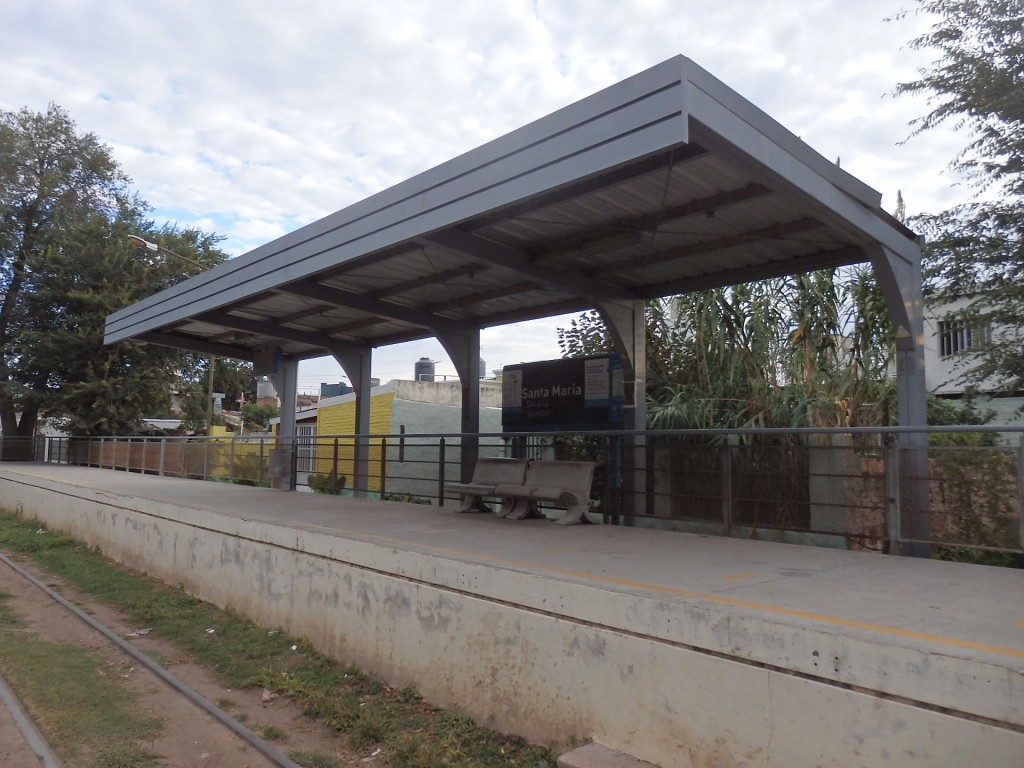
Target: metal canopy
664,183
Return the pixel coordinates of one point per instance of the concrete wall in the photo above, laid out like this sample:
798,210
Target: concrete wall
446,392
555,661
418,407
417,473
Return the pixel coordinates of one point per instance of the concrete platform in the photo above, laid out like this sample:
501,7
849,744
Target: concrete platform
674,648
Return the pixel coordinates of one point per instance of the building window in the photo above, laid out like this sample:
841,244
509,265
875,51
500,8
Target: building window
962,334
305,447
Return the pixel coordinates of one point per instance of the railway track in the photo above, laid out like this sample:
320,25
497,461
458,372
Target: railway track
33,742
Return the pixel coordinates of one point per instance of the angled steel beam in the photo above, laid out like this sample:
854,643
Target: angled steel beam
462,243
838,258
481,296
194,344
537,312
300,314
639,225
268,328
432,279
773,232
353,325
312,289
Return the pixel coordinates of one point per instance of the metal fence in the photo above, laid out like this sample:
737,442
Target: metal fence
839,488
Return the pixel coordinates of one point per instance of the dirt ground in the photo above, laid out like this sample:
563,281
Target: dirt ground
191,738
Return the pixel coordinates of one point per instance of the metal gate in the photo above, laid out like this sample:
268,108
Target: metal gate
305,448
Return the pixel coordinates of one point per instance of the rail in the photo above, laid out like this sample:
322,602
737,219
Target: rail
250,738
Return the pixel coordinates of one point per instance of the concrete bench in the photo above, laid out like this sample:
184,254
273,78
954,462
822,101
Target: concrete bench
488,474
565,483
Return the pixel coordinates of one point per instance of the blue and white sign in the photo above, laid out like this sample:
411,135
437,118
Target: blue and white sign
579,393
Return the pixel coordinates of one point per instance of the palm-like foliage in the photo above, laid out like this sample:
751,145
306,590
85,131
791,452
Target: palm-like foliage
805,350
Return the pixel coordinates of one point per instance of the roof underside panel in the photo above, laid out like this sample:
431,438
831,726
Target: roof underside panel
624,195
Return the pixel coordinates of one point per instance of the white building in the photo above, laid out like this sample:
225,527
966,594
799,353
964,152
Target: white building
953,332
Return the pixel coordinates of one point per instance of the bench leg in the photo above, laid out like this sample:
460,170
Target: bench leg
574,514
472,503
521,509
508,506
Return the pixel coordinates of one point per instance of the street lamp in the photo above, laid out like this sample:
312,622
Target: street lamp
141,242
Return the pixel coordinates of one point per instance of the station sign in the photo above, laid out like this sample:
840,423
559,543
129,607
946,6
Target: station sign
571,394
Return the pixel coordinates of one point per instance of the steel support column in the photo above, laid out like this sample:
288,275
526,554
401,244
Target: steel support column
627,324
286,382
901,284
356,364
463,348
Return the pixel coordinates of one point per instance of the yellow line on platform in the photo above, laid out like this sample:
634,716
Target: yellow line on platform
779,610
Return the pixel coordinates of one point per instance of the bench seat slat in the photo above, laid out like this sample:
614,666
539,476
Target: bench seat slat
541,494
457,489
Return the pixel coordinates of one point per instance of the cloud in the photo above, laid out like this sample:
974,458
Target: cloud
295,111
257,116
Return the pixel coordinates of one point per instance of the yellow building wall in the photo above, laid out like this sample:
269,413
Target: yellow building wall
340,419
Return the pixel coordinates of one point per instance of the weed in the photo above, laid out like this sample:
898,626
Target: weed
373,725
129,757
8,618
271,732
312,760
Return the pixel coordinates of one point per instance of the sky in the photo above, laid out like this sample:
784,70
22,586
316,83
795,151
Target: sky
251,118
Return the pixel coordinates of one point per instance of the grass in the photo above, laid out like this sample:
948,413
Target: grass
409,733
312,760
271,732
8,618
73,696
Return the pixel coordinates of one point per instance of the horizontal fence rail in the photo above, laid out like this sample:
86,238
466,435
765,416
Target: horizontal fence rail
830,487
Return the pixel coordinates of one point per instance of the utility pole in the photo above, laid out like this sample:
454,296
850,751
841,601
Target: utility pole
140,242
209,397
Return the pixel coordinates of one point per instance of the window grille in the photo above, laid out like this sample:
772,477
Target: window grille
305,444
960,334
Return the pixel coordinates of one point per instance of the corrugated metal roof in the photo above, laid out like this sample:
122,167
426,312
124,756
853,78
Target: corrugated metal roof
665,183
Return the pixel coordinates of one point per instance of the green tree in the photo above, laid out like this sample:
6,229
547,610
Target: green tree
66,263
255,415
63,367
976,251
233,378
51,176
